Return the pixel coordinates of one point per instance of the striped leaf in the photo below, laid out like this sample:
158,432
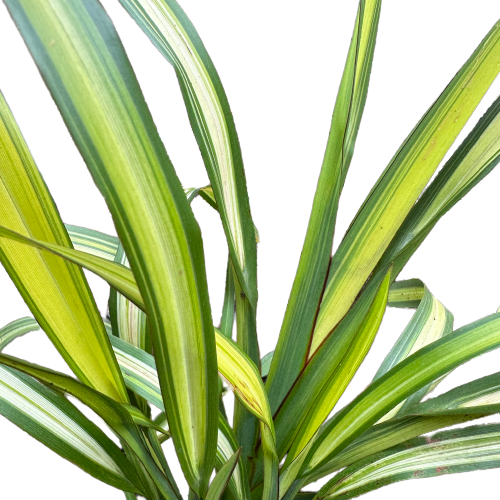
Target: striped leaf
223,476
341,377
305,296
469,401
430,322
449,452
472,161
84,65
93,242
319,375
116,275
56,292
390,201
113,413
127,320
51,419
227,445
15,329
173,34
407,377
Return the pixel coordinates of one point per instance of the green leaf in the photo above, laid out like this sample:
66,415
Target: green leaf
449,452
335,386
15,329
173,34
51,419
223,476
228,307
408,376
390,201
469,401
93,242
430,322
113,413
127,320
305,297
317,376
227,445
476,157
265,364
56,292
116,275
84,65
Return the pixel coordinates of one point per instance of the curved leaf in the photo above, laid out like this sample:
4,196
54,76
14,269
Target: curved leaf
93,242
15,329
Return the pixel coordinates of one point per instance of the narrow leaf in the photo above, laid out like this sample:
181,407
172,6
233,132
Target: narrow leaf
449,452
54,421
84,65
221,479
173,34
402,182
308,286
93,242
15,329
56,292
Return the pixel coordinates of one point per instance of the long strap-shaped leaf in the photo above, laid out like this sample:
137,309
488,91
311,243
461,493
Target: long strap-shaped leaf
449,452
56,292
430,322
175,37
92,241
476,157
402,182
114,414
341,377
326,362
54,421
16,329
305,296
475,399
87,71
415,372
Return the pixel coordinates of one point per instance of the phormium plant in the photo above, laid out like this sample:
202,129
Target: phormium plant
158,345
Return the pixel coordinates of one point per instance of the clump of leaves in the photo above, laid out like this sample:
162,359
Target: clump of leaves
158,346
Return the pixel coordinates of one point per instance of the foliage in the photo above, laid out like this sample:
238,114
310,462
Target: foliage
159,348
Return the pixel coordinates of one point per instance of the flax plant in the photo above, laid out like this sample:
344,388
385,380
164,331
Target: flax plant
156,368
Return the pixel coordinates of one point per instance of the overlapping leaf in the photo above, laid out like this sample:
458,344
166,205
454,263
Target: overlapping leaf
449,452
390,201
54,421
305,297
175,37
56,292
82,61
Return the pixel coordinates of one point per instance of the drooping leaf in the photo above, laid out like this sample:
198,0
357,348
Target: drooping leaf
113,413
448,452
15,329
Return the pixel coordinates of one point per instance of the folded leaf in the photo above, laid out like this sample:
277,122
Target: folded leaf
430,322
222,478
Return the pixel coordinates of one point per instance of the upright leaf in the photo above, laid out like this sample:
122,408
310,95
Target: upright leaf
173,34
390,201
56,292
87,71
305,297
222,478
476,157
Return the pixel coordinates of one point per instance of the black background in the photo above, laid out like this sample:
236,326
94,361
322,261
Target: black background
280,66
